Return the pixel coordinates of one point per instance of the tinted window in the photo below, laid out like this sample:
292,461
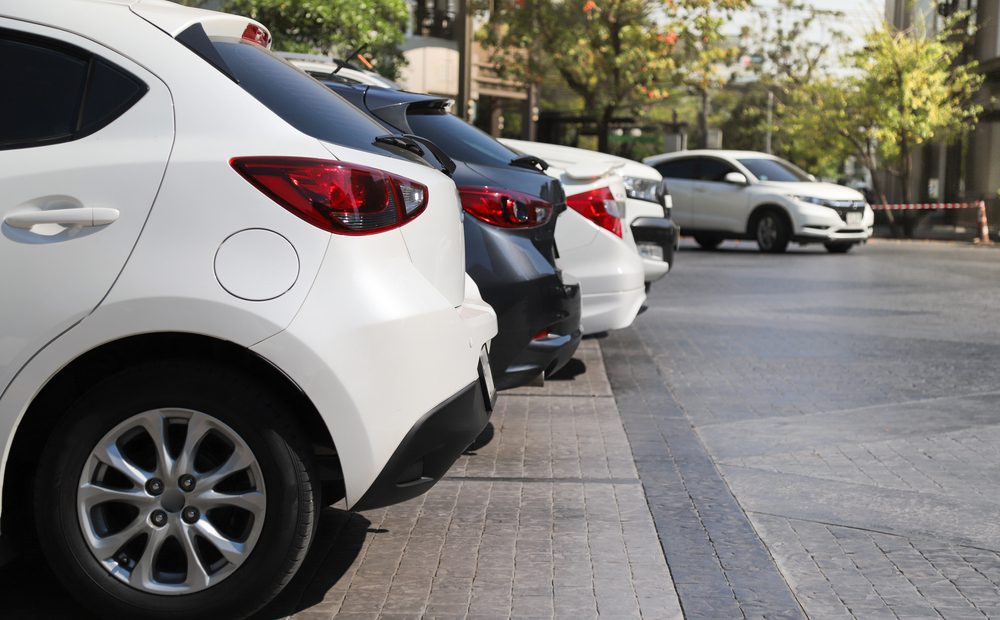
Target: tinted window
775,170
297,98
460,140
713,169
677,169
110,90
56,92
43,90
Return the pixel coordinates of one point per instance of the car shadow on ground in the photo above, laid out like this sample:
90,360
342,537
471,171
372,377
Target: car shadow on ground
29,589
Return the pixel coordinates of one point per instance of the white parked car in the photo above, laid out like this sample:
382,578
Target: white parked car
722,195
595,248
647,206
328,68
219,311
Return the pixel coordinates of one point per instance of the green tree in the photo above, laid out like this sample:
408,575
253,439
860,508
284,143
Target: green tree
334,27
793,43
907,88
614,54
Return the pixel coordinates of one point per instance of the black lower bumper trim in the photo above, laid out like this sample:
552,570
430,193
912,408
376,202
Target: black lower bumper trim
6,551
660,231
429,449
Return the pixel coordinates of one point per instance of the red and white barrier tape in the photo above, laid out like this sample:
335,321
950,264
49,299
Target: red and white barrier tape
927,205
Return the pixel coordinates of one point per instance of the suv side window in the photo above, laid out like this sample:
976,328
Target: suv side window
58,92
678,168
714,169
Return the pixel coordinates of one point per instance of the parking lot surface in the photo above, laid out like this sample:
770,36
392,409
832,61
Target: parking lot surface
850,405
801,435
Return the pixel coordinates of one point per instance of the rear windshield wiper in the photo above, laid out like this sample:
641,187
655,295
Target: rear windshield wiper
412,143
529,161
402,143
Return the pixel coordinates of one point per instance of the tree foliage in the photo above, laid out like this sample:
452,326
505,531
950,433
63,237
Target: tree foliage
795,45
614,54
334,27
906,89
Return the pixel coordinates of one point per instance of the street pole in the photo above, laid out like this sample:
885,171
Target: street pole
464,40
770,118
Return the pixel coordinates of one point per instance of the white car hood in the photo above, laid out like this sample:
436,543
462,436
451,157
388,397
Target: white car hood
826,191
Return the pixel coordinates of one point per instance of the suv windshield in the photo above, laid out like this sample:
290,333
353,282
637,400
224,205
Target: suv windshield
300,100
460,140
775,170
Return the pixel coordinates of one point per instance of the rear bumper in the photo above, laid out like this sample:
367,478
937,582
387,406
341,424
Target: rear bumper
528,295
607,311
433,444
660,233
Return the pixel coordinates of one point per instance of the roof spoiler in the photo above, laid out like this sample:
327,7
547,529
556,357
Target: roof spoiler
591,170
175,19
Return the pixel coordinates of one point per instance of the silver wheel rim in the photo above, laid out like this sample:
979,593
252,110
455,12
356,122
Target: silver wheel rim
767,231
171,501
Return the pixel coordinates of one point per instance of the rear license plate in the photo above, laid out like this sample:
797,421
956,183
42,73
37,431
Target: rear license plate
486,377
650,250
854,218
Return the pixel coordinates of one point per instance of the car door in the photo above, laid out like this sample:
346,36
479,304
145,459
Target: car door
680,176
85,136
718,205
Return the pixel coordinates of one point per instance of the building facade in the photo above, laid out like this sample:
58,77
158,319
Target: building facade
970,169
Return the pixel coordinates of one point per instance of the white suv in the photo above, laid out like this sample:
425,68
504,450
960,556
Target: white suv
223,304
722,195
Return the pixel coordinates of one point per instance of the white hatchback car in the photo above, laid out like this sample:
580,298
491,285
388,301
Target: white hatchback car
223,305
722,195
595,248
647,207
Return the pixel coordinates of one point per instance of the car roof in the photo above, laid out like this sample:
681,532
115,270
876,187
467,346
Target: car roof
723,153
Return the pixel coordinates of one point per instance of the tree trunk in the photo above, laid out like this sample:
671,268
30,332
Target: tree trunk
603,128
906,171
703,118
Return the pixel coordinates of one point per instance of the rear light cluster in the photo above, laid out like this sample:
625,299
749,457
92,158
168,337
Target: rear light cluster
337,197
600,207
505,208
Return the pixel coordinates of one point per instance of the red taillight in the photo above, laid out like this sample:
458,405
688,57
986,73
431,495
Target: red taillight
600,207
337,197
256,34
503,207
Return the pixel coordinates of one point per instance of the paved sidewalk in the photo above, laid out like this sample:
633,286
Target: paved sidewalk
548,520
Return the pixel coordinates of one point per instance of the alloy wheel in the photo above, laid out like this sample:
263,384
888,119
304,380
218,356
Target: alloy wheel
171,501
767,231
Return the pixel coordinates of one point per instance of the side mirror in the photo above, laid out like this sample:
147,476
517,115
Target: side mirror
736,178
812,178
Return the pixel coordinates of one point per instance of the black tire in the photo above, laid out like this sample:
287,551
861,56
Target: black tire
260,419
838,248
708,241
772,232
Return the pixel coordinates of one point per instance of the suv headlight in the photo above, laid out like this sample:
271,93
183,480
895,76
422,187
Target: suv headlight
833,204
642,189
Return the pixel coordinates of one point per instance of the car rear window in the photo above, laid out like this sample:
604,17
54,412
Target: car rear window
300,100
460,140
